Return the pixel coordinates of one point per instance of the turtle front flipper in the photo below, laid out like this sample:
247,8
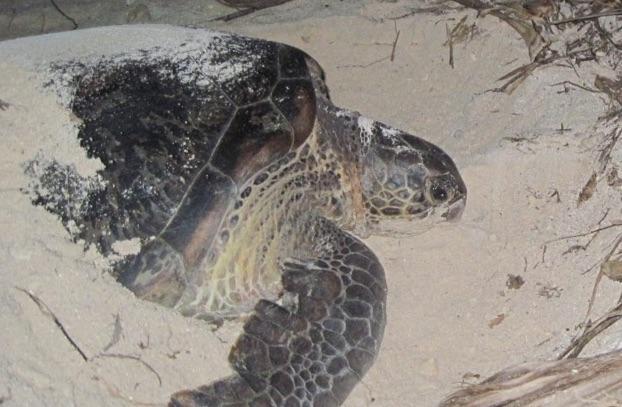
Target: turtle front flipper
316,353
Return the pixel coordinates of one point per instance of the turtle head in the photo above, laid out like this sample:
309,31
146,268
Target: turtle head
403,177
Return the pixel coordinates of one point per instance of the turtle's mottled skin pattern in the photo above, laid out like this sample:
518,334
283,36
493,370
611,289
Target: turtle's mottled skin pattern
241,180
315,353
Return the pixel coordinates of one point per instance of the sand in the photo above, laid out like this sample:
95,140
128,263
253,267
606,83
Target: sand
451,315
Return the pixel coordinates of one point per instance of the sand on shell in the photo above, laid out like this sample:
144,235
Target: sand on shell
451,316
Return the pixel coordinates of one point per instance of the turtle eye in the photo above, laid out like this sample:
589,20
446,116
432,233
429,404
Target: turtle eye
438,192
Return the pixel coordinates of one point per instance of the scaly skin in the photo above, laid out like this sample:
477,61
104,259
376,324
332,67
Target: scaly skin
316,352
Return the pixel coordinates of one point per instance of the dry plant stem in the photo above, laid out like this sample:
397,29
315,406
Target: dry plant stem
437,10
606,35
576,85
47,312
246,7
390,57
588,17
518,75
235,14
397,37
588,233
521,25
116,334
374,62
474,4
591,331
131,357
605,155
73,22
453,34
450,42
589,242
599,277
590,380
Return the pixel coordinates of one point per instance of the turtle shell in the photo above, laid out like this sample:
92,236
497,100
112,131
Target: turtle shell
179,135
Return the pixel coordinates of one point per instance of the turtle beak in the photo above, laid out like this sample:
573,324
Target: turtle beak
458,202
455,210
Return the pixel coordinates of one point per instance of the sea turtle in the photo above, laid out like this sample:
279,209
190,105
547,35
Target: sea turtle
224,157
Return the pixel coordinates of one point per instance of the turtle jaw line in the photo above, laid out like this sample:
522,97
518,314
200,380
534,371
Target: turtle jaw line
408,225
454,210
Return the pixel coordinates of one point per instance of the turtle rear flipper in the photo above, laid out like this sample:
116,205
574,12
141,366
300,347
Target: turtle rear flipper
315,354
155,274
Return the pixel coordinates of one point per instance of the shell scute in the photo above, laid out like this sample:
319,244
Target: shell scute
153,132
258,135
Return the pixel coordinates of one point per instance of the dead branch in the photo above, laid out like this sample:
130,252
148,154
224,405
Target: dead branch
45,310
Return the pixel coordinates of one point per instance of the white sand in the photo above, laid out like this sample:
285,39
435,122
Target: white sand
447,288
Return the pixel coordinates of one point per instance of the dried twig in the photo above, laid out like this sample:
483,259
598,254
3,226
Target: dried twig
591,331
397,36
588,233
605,154
599,277
587,17
450,43
246,7
131,357
576,85
73,22
116,333
47,312
458,33
583,381
235,14
374,62
437,10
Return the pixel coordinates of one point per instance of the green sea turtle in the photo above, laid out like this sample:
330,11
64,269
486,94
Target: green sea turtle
224,157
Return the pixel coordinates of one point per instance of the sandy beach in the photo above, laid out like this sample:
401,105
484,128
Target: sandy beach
465,300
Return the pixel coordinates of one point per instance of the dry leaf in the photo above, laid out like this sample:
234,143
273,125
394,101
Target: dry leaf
496,321
588,190
514,282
